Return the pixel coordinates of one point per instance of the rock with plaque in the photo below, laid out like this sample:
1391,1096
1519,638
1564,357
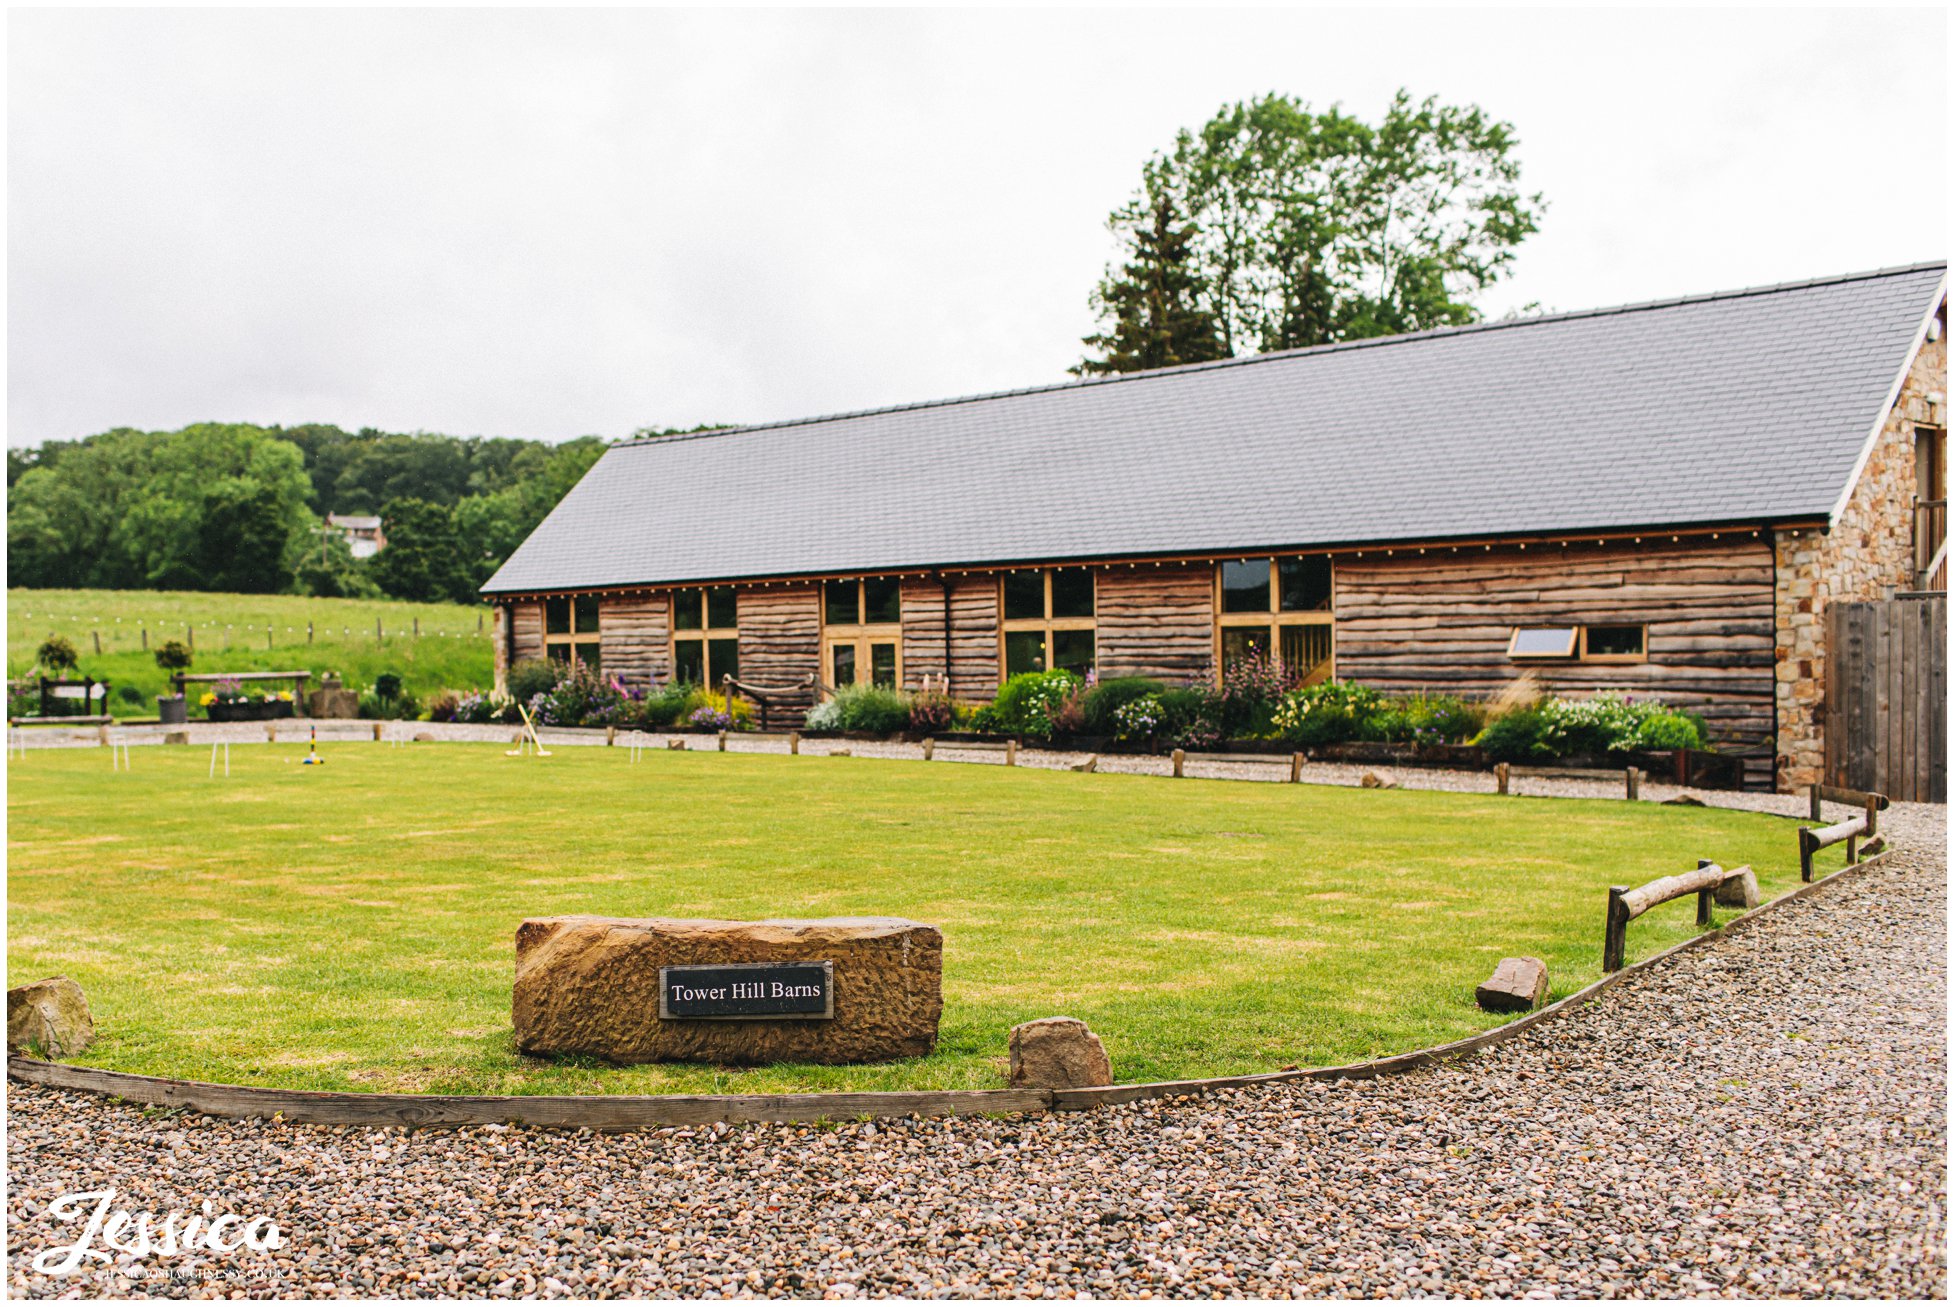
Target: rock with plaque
828,990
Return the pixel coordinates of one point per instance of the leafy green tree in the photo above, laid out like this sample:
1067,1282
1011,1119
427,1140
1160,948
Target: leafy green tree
1155,302
1308,228
327,568
423,560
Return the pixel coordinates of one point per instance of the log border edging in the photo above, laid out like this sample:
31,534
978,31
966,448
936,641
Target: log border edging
650,1111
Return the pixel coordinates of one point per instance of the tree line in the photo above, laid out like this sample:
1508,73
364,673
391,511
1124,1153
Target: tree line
237,507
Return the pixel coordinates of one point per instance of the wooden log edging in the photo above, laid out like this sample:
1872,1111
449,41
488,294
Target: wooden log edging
648,1111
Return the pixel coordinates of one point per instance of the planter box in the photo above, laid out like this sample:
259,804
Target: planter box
248,710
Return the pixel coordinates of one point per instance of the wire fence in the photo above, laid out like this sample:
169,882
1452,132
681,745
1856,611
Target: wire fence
105,635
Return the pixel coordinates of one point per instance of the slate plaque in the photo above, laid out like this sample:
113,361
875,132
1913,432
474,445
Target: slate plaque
747,991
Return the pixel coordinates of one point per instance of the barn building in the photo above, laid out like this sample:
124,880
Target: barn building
1658,499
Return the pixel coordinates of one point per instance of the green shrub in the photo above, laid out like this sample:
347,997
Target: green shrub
1104,701
387,685
1516,736
484,709
660,707
1190,717
708,710
872,709
1330,712
1026,702
1138,719
932,711
1252,690
57,654
1428,719
173,656
533,676
129,694
1605,723
443,706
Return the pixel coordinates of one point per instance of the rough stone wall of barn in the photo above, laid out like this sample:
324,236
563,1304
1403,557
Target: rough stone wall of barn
1868,554
1442,621
1156,621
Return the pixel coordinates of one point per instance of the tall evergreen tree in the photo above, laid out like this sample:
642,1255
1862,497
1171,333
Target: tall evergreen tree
1154,304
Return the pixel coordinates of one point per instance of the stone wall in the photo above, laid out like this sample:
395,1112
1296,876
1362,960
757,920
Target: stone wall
1868,554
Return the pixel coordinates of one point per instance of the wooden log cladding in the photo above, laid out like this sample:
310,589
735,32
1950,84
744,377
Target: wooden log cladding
780,641
923,601
974,628
1442,622
528,629
636,635
1156,622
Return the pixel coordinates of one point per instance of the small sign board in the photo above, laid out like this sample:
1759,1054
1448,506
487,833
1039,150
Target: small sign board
748,991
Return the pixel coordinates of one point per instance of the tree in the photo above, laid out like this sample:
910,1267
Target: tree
1306,228
423,559
328,569
1154,304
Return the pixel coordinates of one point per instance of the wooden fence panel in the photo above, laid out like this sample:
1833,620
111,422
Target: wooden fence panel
1886,697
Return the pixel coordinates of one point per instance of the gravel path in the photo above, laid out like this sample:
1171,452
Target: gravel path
1762,1118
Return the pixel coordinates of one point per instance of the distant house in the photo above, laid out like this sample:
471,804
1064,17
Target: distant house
363,534
1659,499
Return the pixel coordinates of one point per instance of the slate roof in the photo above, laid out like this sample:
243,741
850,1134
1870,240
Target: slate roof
1748,406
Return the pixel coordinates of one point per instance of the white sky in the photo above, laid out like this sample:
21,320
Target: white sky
551,223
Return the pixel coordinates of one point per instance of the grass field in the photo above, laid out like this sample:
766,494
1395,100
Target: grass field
352,926
231,636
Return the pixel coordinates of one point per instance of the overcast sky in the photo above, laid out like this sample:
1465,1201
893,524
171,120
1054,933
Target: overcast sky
551,223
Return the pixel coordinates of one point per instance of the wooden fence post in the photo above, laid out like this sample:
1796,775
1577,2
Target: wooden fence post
379,631
308,633
929,749
1295,768
417,627
98,642
610,735
1503,774
1180,763
794,742
1705,898
190,637
1614,942
1010,753
1633,779
1807,846
268,637
145,639
722,741
1818,805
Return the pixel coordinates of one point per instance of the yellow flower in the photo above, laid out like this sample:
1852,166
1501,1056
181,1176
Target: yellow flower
207,700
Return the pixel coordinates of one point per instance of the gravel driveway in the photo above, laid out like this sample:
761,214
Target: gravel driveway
1762,1117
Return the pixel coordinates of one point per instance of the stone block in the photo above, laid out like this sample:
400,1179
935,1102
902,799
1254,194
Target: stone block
49,1018
1516,985
1058,1053
591,985
332,703
1739,891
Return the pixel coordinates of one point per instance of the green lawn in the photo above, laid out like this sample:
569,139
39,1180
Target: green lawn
351,926
452,651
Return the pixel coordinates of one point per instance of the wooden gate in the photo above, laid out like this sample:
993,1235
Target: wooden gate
1886,697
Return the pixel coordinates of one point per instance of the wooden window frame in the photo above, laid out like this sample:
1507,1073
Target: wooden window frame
1047,624
1641,657
1574,639
1275,619
704,633
859,633
572,638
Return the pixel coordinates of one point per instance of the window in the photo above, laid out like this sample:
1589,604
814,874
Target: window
1049,620
1277,609
706,636
570,631
1542,642
1930,497
1611,644
861,638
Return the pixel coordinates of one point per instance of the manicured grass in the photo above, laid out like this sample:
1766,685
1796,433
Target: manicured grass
351,926
452,651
